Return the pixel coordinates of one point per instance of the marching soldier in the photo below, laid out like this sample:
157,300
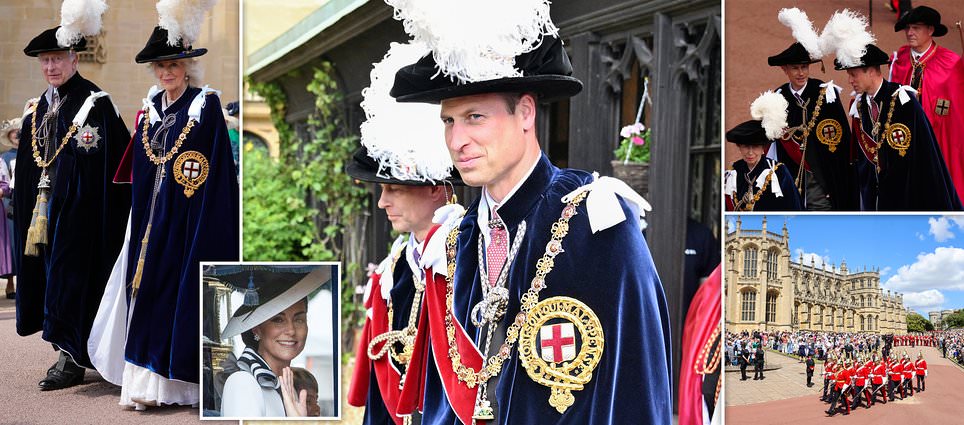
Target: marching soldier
878,379
829,368
896,373
862,385
841,380
921,367
908,374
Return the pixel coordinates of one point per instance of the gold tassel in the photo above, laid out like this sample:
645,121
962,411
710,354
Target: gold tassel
37,233
139,271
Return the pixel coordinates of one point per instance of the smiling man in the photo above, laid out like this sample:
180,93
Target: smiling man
938,76
816,126
899,165
557,296
69,218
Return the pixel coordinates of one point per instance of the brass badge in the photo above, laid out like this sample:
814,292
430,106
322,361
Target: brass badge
87,138
898,137
551,353
190,170
943,107
829,133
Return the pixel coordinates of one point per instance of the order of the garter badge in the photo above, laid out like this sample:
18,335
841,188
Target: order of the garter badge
560,345
829,133
191,170
87,138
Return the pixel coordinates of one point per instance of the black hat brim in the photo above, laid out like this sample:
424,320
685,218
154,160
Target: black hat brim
922,15
548,88
47,42
796,54
157,49
363,168
873,57
749,133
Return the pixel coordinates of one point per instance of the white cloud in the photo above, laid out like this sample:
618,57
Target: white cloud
941,269
820,262
920,236
884,271
941,228
928,300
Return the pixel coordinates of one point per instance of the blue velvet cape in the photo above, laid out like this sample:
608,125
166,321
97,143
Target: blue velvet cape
402,295
790,201
59,291
915,181
163,335
612,272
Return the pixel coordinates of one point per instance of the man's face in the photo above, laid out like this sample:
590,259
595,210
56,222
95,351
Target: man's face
797,74
860,79
484,140
752,154
409,208
919,35
58,67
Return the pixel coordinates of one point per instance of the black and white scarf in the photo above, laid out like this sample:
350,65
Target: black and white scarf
252,363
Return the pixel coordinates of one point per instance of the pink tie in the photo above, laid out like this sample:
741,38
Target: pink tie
498,247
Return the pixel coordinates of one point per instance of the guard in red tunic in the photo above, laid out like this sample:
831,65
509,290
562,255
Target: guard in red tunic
895,371
878,377
937,74
921,366
908,375
841,384
829,367
862,386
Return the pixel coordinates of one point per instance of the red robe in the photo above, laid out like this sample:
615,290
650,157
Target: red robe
943,78
701,328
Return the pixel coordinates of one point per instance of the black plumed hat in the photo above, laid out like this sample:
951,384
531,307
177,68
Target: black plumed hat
47,42
157,49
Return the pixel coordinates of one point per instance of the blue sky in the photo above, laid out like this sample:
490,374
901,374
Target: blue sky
920,256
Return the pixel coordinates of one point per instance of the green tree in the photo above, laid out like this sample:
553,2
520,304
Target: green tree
917,323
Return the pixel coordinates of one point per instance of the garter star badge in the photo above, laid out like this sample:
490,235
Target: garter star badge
87,138
829,133
560,345
191,170
898,137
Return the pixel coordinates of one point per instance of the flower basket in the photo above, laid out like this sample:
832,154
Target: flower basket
635,174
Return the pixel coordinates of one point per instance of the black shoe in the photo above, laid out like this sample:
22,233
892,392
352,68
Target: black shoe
829,413
59,379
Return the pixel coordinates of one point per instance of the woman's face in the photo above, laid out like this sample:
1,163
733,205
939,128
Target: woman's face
283,336
172,75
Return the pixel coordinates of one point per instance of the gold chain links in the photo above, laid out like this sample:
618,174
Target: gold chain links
37,157
177,144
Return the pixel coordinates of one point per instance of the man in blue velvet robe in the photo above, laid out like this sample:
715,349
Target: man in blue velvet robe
618,333
63,267
899,163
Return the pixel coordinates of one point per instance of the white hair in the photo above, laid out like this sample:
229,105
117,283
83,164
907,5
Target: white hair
192,69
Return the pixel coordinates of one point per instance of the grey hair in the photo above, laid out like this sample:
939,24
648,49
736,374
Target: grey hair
193,70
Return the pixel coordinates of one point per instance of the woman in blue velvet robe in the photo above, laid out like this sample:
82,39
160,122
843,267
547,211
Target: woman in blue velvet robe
184,210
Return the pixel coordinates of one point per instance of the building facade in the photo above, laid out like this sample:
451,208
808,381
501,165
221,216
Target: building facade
937,317
767,291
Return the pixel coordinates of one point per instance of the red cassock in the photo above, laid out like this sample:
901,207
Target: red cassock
701,329
921,366
942,97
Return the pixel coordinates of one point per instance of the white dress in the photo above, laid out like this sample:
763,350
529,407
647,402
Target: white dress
243,397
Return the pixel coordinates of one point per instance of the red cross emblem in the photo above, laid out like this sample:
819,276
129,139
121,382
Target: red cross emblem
558,342
191,169
830,132
899,136
87,137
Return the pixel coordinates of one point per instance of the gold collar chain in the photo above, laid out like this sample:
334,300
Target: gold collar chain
806,135
756,197
493,365
37,157
177,145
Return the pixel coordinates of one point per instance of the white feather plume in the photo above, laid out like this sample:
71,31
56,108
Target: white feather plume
407,140
771,109
473,42
803,31
846,33
78,19
183,19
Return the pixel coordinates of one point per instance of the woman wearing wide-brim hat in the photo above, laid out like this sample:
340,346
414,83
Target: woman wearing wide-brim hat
274,327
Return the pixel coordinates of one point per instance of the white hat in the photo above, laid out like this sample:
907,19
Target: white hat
274,296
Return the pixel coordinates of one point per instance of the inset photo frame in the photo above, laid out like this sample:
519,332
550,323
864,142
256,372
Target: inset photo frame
270,341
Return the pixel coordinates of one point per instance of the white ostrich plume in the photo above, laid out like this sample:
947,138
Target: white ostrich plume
846,33
78,19
803,31
771,109
407,140
472,41
183,19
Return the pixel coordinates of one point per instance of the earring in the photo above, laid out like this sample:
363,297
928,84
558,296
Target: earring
257,338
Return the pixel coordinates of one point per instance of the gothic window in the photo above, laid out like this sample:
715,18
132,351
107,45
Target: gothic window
771,265
749,306
749,262
771,312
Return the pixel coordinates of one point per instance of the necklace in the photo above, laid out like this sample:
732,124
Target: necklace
177,144
750,202
37,156
37,231
493,365
806,135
